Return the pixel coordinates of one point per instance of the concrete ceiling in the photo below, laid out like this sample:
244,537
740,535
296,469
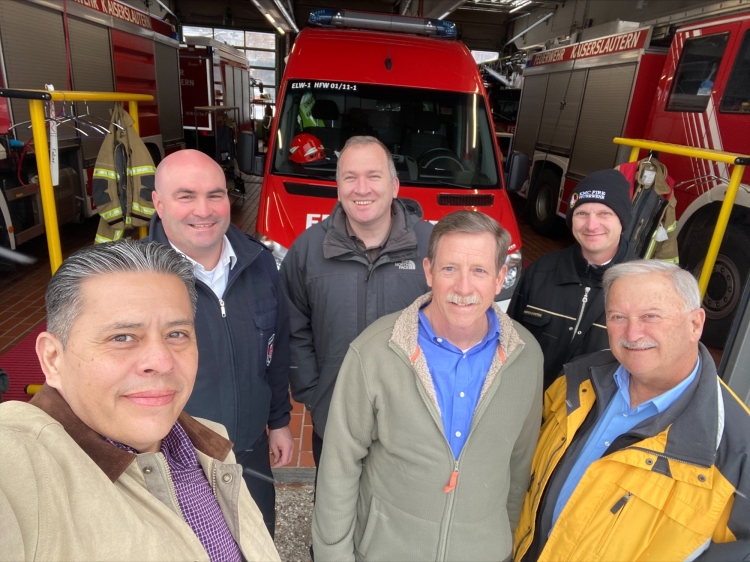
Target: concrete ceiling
482,24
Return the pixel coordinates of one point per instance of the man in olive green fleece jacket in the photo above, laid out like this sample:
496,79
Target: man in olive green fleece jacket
400,478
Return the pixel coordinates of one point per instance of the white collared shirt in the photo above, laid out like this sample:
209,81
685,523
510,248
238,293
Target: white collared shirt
216,278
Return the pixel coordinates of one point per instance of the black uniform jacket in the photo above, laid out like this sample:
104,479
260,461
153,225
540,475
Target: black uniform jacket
560,301
243,345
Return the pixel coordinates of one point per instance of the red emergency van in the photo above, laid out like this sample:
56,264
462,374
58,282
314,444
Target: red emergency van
410,83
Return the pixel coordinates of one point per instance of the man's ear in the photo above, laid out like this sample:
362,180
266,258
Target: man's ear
156,200
427,271
697,319
50,350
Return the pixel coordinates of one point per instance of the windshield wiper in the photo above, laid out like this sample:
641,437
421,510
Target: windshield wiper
458,185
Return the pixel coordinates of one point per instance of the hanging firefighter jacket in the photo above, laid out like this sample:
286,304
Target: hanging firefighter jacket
123,180
652,232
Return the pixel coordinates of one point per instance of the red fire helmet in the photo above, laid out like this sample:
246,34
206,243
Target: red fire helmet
306,148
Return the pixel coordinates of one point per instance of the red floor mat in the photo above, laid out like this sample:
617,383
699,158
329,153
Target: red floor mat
22,366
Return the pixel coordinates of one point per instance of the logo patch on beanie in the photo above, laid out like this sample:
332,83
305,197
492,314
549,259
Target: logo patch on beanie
592,194
573,200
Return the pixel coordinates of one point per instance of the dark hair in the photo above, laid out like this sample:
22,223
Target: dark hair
471,222
64,298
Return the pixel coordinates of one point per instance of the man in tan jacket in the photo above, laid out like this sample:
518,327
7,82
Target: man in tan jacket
434,417
102,464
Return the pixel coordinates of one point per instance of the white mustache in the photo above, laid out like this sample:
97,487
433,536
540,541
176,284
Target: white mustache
638,345
463,300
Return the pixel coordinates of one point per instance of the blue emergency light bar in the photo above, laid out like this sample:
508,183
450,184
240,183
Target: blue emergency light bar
348,19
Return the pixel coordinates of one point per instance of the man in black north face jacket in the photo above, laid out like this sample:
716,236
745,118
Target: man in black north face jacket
362,262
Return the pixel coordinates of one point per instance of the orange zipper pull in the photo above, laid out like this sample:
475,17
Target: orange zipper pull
452,484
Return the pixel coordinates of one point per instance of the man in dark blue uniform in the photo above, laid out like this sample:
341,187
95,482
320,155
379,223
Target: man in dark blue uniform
241,321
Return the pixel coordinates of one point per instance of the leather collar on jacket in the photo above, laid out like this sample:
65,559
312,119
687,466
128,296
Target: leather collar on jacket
111,459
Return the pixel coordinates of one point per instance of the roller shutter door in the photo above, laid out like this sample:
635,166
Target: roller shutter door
168,92
558,127
34,53
92,72
530,113
605,104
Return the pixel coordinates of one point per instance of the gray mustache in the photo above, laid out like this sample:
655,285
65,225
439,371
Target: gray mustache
637,345
463,300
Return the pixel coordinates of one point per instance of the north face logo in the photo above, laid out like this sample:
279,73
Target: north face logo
408,264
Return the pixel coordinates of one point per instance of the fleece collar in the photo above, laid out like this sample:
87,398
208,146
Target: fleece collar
406,331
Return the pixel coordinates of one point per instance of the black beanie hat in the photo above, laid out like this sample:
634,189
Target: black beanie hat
608,187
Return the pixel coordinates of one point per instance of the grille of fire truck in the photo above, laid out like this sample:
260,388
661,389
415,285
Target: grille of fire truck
451,200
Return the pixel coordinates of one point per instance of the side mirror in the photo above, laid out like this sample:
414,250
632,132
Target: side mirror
518,171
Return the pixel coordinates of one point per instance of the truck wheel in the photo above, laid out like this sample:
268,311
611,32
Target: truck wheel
543,202
727,280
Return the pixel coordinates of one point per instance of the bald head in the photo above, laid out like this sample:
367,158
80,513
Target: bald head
179,162
192,202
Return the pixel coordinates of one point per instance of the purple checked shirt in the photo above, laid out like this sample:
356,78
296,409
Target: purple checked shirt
195,496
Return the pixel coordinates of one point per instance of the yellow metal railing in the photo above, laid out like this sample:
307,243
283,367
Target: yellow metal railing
739,161
37,98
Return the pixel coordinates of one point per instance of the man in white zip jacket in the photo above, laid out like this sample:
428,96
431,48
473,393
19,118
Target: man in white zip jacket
434,417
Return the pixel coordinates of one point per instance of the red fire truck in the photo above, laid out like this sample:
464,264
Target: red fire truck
378,75
577,98
86,45
213,74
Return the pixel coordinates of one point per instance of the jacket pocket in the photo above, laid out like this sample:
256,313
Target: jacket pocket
264,317
616,513
535,317
391,533
99,192
372,521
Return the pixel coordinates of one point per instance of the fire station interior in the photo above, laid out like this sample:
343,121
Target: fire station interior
258,36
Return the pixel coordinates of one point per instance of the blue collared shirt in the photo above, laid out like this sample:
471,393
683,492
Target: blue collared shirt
618,418
458,376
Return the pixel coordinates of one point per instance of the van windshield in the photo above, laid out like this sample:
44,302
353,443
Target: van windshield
437,138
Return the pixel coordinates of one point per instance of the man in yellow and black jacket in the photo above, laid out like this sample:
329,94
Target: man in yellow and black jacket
644,453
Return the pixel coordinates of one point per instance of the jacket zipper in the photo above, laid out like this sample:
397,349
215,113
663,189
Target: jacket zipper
580,314
223,309
163,460
536,494
621,503
454,475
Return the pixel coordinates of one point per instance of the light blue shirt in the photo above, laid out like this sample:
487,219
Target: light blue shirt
458,376
618,418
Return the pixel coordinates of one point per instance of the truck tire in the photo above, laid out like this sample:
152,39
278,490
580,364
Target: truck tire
542,203
727,280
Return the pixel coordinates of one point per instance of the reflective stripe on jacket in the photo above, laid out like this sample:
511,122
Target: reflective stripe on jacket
672,488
